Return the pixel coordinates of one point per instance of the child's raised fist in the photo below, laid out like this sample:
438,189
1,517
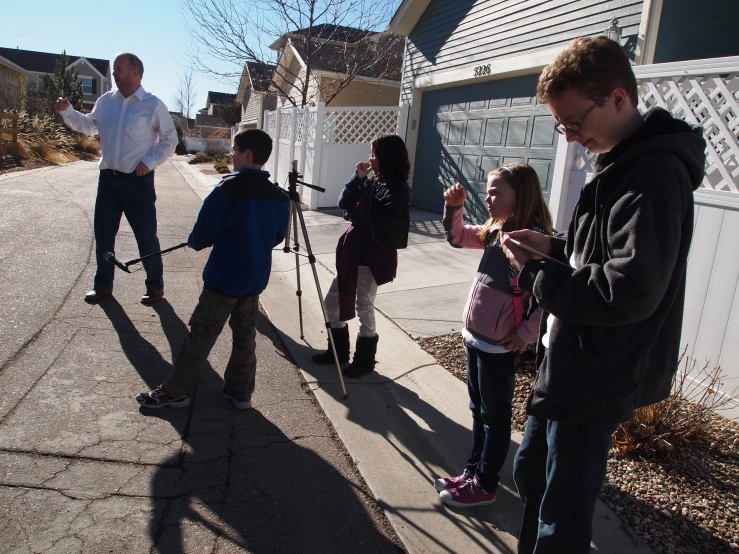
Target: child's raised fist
455,195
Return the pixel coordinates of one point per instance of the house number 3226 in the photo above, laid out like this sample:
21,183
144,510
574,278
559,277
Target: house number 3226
481,70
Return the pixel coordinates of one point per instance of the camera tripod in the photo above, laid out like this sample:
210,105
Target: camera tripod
296,215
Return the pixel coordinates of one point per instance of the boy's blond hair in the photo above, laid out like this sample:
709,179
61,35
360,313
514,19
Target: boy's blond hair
593,66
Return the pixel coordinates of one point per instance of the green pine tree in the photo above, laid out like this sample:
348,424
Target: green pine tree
65,83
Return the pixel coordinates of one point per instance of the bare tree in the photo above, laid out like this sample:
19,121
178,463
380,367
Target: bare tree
185,96
339,37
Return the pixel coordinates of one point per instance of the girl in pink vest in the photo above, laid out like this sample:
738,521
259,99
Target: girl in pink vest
499,321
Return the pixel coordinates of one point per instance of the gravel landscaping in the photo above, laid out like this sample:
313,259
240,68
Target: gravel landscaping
680,502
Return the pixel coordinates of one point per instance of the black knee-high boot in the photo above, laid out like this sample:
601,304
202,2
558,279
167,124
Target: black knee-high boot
364,357
341,340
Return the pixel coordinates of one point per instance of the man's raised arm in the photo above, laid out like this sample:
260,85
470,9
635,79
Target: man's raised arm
82,123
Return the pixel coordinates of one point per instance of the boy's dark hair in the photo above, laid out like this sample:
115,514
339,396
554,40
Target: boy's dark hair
593,66
392,156
256,140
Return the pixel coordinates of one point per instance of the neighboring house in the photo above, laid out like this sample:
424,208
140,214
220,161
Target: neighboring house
94,73
471,68
254,95
209,119
376,83
13,84
216,100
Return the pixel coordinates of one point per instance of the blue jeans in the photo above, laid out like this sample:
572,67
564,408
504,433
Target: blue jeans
491,380
135,197
558,470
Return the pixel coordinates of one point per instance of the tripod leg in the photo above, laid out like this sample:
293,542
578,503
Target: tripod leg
296,209
312,260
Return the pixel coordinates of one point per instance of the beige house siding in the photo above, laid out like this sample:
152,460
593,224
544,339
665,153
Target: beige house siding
12,88
253,108
361,93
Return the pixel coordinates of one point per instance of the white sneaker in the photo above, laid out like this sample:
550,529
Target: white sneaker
239,404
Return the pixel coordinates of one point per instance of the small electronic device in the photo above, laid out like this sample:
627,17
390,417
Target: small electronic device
535,251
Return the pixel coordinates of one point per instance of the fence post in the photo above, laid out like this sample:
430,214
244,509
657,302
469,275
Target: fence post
403,121
561,181
317,153
303,140
276,143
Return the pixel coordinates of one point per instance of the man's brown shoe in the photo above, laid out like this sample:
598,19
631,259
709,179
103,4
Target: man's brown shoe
96,295
152,297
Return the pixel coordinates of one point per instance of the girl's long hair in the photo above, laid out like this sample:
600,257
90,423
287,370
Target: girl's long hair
531,208
392,156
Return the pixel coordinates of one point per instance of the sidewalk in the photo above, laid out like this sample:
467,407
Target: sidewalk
409,423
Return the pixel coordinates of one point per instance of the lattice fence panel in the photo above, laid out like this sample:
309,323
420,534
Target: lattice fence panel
286,122
359,126
271,123
711,101
299,127
311,130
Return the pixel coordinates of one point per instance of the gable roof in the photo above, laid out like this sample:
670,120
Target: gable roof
333,58
220,98
15,67
260,75
406,16
325,31
43,62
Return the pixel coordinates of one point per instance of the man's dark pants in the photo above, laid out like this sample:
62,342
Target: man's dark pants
559,469
134,196
206,323
491,380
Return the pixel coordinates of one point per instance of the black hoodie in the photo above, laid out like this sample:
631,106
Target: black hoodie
615,341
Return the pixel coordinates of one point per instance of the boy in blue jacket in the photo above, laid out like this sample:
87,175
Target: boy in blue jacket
243,219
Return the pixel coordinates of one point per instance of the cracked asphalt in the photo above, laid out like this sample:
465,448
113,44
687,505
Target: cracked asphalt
83,469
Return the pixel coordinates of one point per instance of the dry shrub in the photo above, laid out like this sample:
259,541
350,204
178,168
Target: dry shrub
684,416
88,145
201,158
21,152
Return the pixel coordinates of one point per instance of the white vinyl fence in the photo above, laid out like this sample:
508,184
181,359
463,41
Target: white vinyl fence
705,93
327,144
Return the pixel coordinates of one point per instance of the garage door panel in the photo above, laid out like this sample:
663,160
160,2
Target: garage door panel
467,131
543,134
543,169
473,133
456,132
442,128
518,128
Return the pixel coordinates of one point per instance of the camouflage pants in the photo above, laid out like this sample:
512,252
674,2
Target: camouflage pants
206,323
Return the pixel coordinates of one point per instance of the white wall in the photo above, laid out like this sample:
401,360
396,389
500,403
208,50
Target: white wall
198,144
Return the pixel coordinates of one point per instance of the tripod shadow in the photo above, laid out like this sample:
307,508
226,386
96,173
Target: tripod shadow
424,437
239,481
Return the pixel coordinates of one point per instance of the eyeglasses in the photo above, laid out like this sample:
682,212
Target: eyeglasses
234,149
574,127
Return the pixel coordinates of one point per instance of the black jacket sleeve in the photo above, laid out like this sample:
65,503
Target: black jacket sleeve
643,234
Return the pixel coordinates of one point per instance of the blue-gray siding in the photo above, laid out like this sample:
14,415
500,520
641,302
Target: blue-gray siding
695,30
451,33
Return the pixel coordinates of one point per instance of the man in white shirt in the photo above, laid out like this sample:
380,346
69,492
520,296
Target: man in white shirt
136,135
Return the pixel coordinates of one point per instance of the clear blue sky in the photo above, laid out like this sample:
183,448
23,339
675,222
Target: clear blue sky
153,29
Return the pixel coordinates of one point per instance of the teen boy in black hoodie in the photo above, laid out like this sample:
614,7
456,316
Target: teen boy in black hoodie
243,218
612,341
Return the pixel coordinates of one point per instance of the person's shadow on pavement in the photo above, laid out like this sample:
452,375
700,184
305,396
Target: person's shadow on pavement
239,480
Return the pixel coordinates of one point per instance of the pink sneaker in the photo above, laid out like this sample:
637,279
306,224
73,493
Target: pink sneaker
452,482
468,495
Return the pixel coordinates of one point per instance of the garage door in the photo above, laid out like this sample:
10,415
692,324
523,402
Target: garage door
464,132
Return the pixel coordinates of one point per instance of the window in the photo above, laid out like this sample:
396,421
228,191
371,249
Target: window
31,83
86,84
